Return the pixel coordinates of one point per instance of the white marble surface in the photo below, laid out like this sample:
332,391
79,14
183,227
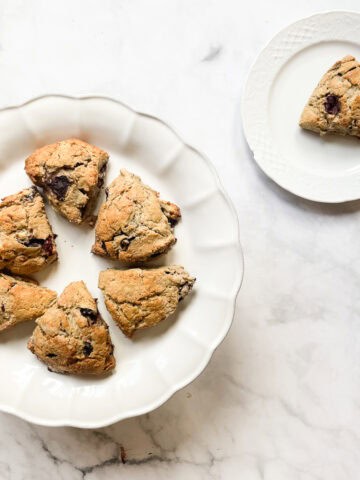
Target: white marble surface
280,399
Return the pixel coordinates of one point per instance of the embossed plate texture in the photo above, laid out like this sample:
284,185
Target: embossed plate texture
324,169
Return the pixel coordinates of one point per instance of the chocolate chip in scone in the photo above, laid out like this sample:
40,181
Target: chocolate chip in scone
3,308
59,186
332,104
103,248
88,348
34,242
83,210
88,313
48,246
81,164
51,355
172,221
125,242
185,289
101,176
30,196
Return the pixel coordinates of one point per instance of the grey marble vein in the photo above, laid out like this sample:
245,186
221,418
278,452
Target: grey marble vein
213,53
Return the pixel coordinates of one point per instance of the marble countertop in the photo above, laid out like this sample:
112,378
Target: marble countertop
280,400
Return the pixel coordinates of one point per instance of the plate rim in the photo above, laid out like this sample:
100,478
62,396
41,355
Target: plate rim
263,165
208,353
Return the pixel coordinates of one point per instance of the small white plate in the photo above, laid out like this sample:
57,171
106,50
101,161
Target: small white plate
159,361
324,169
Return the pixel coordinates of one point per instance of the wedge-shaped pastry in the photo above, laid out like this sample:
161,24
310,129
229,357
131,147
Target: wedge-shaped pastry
71,336
138,298
133,224
334,106
71,173
22,300
27,243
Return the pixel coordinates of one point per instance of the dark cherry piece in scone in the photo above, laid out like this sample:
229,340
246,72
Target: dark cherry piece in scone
22,300
27,243
72,337
334,106
133,224
138,298
71,172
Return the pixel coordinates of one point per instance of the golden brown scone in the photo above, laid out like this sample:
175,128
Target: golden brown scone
71,336
138,298
27,243
334,106
71,173
22,300
133,224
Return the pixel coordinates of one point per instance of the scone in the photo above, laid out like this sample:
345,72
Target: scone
71,336
71,173
138,298
22,300
27,243
334,106
133,224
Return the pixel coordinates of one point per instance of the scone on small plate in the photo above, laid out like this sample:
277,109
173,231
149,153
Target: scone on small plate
139,298
134,224
22,300
72,337
334,106
27,243
71,172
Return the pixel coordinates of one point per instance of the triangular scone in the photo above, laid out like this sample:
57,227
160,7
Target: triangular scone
133,224
138,298
22,300
71,336
334,106
27,243
71,173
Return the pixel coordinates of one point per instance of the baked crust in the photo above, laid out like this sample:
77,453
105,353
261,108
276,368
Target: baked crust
22,300
139,298
27,243
133,224
71,172
72,337
334,106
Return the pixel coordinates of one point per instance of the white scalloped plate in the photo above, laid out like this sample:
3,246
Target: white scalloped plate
161,360
325,169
